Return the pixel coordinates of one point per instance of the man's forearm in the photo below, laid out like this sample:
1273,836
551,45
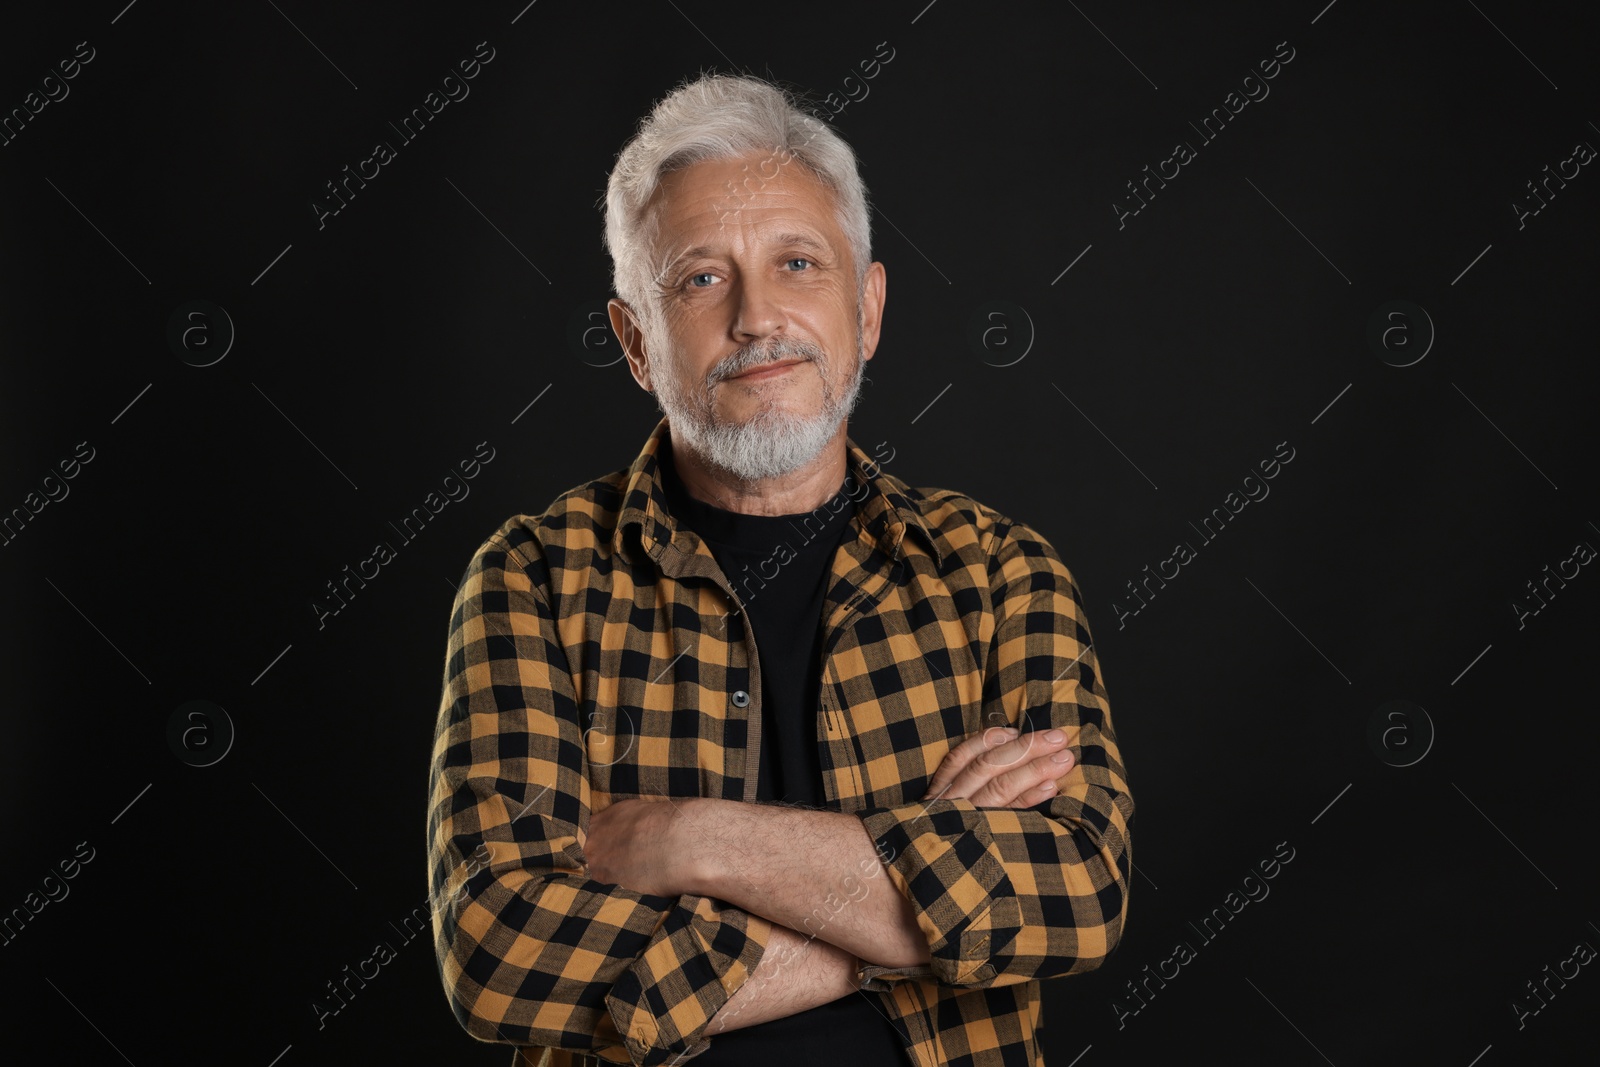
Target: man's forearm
796,973
815,872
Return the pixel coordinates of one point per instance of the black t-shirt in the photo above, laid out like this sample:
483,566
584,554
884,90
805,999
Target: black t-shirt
779,567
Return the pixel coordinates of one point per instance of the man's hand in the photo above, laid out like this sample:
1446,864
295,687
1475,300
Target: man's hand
635,843
998,769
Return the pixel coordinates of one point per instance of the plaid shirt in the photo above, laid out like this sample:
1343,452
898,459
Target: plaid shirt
591,658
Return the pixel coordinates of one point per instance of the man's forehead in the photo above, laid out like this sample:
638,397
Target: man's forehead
755,183
785,231
745,200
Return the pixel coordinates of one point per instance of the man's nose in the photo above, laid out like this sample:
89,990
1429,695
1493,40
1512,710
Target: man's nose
760,312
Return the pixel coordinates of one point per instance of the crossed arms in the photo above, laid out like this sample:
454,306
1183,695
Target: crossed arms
810,873
583,930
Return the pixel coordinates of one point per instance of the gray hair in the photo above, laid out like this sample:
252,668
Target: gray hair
722,117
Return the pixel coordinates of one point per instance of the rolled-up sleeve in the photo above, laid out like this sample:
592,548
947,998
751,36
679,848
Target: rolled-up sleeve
531,951
1011,895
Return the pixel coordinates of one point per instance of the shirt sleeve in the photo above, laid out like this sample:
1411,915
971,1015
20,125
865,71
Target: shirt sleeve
1011,895
532,951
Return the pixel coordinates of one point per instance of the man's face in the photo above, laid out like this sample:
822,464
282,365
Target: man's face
758,279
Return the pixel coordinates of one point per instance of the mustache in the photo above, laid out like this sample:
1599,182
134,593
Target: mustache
752,356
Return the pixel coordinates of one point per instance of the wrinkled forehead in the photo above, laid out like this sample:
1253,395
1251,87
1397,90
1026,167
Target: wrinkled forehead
759,196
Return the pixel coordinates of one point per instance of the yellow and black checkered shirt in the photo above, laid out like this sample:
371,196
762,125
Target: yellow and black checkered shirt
590,659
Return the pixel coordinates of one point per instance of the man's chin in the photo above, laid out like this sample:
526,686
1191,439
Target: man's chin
761,428
768,421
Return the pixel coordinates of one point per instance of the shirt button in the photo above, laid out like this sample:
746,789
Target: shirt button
741,699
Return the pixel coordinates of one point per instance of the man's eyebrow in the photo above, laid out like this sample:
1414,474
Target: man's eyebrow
801,240
671,266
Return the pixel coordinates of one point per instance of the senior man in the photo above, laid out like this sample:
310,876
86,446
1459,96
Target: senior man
751,752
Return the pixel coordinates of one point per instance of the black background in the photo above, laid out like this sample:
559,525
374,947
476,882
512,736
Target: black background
1178,351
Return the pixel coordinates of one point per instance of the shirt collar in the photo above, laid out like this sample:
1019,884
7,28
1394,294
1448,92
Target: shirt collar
884,512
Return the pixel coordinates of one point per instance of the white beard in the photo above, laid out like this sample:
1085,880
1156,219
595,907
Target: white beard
770,442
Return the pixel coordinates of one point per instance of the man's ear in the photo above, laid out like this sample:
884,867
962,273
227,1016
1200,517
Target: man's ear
625,324
873,295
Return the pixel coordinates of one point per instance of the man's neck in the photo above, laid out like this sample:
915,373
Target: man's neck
800,491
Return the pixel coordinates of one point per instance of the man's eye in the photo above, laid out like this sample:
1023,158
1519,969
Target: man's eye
800,259
701,274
